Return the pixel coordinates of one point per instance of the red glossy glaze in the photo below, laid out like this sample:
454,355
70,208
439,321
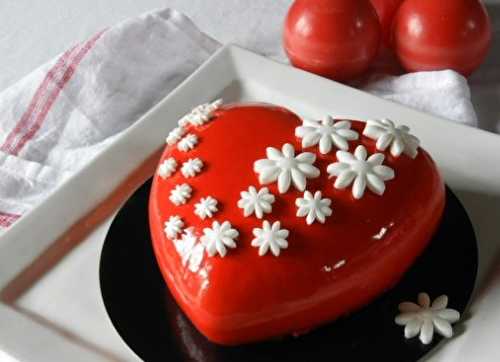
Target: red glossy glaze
386,9
436,35
243,297
336,39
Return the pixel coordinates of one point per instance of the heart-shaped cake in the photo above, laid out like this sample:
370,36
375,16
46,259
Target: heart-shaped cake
264,224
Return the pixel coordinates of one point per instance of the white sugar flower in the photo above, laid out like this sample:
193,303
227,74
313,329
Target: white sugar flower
167,168
191,167
180,194
314,207
175,135
386,133
326,133
201,114
217,238
173,226
285,167
258,202
360,171
270,237
206,207
188,142
190,250
424,317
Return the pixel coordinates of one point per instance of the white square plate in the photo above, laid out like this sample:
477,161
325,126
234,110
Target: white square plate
51,308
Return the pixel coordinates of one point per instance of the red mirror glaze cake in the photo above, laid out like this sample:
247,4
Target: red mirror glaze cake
264,224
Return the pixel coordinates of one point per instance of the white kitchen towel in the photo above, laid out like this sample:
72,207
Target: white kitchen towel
55,120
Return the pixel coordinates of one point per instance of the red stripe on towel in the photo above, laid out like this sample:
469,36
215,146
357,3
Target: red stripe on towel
28,129
7,219
38,99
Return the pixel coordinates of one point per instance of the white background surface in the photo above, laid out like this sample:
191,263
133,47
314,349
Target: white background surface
32,32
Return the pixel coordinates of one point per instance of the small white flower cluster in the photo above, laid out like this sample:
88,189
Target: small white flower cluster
181,193
197,117
201,114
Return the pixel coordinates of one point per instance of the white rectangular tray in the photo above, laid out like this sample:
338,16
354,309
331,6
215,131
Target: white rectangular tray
51,308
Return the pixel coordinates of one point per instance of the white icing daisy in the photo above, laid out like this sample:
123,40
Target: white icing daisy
206,207
386,133
188,142
424,317
180,194
218,237
167,168
258,202
190,250
360,171
314,207
201,114
270,237
286,168
173,226
326,133
191,167
175,135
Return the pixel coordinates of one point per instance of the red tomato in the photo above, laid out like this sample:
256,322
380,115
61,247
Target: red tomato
386,9
337,39
442,34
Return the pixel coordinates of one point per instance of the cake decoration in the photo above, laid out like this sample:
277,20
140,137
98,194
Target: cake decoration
386,133
258,202
190,250
218,237
188,142
424,317
360,171
201,114
206,207
167,168
313,207
286,168
326,133
270,238
175,135
173,226
191,167
180,194
255,262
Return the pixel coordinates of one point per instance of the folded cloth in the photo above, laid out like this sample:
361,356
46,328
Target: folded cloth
59,117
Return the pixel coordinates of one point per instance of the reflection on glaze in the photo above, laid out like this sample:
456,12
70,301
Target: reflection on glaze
339,264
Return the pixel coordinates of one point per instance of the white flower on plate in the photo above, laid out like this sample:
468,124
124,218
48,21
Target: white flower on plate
424,317
218,237
173,226
386,133
326,133
285,167
201,114
167,168
360,171
180,194
314,207
191,167
188,142
206,207
270,237
258,202
175,135
190,250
